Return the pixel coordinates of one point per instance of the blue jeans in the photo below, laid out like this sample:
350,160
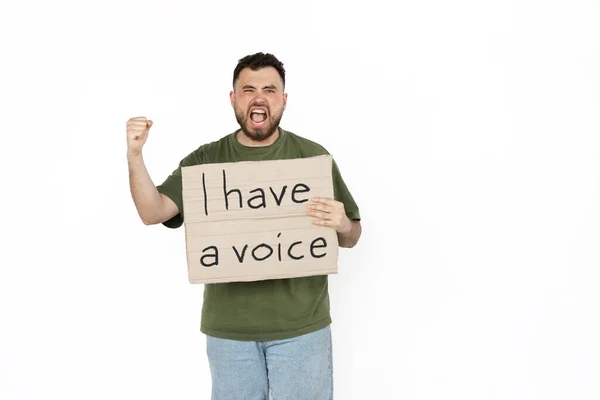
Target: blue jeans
298,368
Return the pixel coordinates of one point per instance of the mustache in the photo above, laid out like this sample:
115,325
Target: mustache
261,105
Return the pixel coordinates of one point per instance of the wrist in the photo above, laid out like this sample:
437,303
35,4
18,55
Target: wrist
134,158
134,153
346,226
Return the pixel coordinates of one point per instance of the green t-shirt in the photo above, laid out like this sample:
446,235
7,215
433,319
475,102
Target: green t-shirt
270,309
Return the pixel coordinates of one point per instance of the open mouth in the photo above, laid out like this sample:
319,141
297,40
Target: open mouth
258,116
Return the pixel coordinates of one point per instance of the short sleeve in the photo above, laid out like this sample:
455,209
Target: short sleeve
172,187
342,194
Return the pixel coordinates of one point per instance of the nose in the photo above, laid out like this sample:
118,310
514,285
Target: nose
259,99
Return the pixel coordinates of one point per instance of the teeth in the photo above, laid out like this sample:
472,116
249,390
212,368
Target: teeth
259,111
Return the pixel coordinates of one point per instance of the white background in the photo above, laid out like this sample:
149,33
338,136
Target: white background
468,132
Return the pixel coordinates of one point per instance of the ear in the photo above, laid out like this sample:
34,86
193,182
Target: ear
284,100
232,98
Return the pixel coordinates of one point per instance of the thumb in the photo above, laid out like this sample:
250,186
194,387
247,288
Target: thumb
148,124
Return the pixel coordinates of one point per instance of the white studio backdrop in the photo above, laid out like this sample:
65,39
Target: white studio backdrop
468,132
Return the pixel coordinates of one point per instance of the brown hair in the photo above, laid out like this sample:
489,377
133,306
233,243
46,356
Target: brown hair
258,61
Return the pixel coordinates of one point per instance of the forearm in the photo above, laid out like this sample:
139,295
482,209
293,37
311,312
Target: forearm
350,238
146,198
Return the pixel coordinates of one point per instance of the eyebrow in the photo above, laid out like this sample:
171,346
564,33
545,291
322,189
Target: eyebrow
264,87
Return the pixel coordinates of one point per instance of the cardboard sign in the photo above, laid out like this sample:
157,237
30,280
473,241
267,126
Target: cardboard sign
247,221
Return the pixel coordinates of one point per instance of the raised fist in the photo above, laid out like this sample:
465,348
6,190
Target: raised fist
137,133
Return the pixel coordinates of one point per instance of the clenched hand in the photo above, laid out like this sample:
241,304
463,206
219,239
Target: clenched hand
137,133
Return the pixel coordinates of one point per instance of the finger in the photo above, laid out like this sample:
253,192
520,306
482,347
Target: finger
323,200
149,124
137,125
321,222
319,214
137,121
320,207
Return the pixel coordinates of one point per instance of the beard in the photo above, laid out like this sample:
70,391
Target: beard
258,134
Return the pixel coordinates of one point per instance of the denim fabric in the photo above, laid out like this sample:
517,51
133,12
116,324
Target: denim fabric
298,368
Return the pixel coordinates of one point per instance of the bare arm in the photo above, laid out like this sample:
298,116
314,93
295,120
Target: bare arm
153,207
350,238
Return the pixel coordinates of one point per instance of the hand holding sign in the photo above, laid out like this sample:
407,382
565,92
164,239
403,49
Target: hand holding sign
330,213
137,133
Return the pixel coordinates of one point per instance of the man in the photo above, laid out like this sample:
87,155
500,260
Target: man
265,336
